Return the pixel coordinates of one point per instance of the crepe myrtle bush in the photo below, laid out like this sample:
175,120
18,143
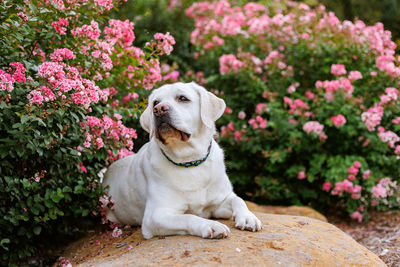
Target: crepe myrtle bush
70,87
313,112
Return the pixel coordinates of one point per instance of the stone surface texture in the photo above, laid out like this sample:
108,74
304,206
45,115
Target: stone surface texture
285,240
291,210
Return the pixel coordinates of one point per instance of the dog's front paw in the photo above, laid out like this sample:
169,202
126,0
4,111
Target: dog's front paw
247,221
213,229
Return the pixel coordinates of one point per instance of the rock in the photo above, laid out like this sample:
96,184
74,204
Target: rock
284,241
291,210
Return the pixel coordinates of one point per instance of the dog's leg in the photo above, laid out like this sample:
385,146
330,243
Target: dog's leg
236,207
162,222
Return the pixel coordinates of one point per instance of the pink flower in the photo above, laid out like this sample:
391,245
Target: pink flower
326,186
129,247
242,115
228,110
309,95
388,137
354,75
351,177
260,108
366,174
301,175
357,164
173,76
238,136
372,117
379,191
356,216
97,242
338,69
338,120
396,121
352,170
314,127
83,168
229,63
116,232
231,126
60,26
165,43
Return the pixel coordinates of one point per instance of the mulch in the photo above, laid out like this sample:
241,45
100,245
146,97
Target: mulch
381,234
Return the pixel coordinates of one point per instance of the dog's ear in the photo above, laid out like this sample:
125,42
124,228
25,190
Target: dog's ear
146,120
211,106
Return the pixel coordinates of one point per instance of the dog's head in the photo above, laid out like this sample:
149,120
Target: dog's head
180,111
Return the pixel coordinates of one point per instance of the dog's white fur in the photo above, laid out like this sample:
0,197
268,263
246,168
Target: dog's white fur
167,199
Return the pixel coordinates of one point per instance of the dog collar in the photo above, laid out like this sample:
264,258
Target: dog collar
189,164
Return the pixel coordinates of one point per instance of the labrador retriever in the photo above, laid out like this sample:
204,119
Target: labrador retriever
177,181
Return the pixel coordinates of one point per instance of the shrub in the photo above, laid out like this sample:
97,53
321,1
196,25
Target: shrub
69,80
313,108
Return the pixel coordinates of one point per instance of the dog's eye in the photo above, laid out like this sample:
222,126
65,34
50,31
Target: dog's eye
155,103
183,98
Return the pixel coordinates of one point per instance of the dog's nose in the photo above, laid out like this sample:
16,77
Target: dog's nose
160,109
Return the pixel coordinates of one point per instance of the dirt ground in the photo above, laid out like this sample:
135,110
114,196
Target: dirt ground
381,234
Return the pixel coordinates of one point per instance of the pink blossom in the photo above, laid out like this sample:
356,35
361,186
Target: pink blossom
338,120
326,186
338,69
107,4
314,127
83,168
228,110
116,232
389,137
379,191
351,177
352,170
354,75
357,164
23,16
242,115
366,174
260,108
165,43
120,32
301,175
372,117
309,95
6,81
356,216
60,25
238,136
396,121
18,72
229,63
61,54
173,76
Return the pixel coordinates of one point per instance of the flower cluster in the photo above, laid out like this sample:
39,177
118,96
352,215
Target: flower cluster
106,130
272,56
315,127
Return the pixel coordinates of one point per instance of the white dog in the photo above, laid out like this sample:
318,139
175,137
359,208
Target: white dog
177,180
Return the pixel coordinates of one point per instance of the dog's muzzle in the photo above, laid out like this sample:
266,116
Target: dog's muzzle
164,126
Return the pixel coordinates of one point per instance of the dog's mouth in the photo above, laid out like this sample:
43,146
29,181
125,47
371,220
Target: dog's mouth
166,131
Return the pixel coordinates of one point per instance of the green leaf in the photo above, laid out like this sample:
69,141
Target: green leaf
37,230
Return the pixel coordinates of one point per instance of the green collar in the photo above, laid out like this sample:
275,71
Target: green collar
190,163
